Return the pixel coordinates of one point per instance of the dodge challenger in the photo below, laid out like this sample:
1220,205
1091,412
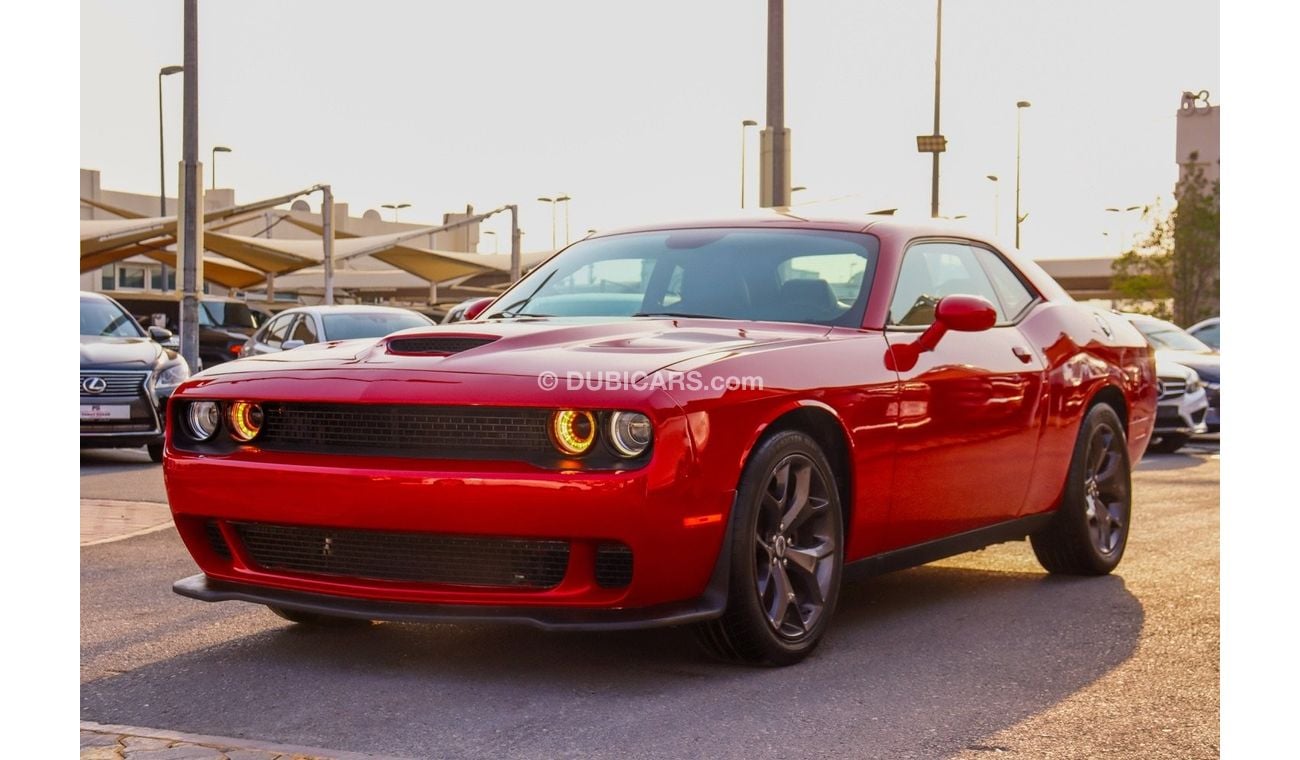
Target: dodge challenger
711,424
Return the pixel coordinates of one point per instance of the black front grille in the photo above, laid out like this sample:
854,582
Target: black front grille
1167,416
613,565
435,345
405,430
410,557
114,383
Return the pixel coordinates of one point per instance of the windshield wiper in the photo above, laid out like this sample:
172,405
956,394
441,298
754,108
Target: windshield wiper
513,309
676,314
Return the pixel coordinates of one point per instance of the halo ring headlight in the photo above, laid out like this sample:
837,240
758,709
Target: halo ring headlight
203,419
245,420
629,433
573,431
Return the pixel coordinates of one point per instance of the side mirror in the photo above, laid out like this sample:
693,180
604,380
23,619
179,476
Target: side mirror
476,308
958,313
160,334
290,345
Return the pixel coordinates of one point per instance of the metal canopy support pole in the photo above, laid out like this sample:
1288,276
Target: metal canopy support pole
515,256
327,239
191,210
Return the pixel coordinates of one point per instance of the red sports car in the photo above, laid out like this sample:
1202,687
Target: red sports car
703,423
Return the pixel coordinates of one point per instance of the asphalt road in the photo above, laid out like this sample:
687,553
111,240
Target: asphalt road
971,657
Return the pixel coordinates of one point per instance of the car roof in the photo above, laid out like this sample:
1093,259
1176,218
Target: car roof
794,219
347,309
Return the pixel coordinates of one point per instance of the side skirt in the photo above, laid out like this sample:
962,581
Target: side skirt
930,551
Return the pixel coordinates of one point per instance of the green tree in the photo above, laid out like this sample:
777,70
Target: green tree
1173,271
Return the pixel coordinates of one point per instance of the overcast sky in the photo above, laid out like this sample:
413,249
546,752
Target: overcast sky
634,109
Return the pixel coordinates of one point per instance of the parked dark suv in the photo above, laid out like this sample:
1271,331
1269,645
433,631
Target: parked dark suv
224,323
126,378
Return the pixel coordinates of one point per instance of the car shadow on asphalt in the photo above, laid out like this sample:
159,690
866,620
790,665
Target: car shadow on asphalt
924,661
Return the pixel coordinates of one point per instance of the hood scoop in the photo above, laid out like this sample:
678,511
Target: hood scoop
437,345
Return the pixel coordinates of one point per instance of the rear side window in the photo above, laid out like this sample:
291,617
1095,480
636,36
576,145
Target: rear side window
304,331
275,331
1011,290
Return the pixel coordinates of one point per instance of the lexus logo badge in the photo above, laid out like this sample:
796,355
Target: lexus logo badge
94,384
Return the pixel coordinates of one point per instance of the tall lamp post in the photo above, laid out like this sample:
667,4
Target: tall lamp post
997,201
215,150
1020,109
744,125
396,207
165,71
551,201
565,200
1119,233
938,69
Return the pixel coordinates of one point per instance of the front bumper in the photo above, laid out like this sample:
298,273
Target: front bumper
142,426
1183,415
673,525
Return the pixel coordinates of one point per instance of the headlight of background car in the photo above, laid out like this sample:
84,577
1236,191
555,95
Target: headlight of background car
629,433
203,419
173,375
1193,384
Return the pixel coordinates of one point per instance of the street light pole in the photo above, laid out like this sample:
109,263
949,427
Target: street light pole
1019,108
215,150
565,200
165,71
938,68
396,207
1122,239
997,201
744,125
496,244
551,201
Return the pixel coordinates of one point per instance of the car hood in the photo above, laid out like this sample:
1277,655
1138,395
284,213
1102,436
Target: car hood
1206,365
531,347
119,353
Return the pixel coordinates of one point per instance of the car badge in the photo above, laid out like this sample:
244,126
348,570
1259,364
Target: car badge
94,384
1160,388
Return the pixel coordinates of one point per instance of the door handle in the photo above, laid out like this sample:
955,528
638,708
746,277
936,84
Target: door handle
1023,354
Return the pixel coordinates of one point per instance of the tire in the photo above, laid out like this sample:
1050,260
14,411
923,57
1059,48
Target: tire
787,475
1168,444
155,452
1089,531
316,620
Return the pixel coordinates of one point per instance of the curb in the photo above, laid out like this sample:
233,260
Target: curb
164,519
229,744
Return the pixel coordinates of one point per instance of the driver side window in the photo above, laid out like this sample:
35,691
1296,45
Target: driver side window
931,271
275,331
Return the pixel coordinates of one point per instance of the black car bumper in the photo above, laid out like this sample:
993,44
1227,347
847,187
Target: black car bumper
707,606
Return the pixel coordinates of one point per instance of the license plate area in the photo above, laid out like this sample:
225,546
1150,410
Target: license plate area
105,412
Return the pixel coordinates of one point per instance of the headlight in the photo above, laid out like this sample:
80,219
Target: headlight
629,433
173,375
245,420
573,431
1194,384
203,419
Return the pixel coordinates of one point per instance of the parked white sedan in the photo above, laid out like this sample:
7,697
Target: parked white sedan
301,325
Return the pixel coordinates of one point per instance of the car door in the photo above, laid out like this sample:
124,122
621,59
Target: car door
968,410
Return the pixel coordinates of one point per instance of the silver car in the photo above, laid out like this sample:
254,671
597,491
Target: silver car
1181,408
301,325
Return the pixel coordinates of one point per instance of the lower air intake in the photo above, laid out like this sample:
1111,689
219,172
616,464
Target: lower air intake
409,557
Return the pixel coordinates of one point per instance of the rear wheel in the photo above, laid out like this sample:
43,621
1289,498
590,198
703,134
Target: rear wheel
786,556
1089,531
317,620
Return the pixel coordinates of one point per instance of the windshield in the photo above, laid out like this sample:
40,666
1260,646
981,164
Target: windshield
105,318
370,325
1167,335
812,276
226,314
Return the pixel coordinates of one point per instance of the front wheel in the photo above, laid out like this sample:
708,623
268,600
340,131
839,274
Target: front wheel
1089,531
787,552
155,452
